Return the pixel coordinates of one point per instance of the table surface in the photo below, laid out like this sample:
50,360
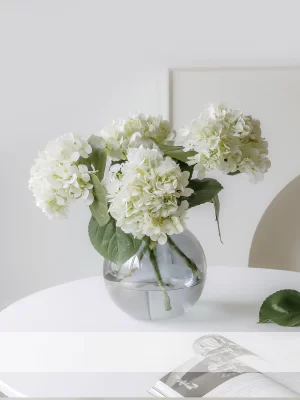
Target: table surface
230,303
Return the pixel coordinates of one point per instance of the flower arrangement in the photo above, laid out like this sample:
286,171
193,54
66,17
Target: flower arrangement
139,177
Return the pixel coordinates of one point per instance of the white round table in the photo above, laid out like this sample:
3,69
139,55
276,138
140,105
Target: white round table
71,340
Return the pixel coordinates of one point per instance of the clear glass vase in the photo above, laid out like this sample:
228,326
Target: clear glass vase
159,284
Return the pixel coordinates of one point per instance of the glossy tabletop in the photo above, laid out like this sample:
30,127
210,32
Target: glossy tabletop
53,342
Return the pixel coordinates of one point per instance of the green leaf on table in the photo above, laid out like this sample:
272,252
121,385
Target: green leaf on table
176,152
98,155
216,203
111,242
99,208
282,308
204,191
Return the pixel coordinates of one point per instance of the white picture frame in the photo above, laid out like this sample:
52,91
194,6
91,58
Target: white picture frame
239,223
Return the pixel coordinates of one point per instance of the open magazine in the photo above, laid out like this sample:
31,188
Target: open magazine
222,368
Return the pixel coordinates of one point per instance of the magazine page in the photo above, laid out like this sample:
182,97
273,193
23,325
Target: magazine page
274,371
289,379
223,354
222,368
194,379
251,385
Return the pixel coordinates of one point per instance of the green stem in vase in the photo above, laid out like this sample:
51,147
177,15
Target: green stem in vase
189,262
140,256
167,302
143,252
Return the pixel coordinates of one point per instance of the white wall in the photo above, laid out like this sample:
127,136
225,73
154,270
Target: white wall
70,65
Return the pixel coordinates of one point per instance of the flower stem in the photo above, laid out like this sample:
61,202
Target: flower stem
189,262
167,302
143,252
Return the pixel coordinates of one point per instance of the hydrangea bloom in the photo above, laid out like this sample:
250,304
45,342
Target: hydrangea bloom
226,140
144,194
57,177
133,132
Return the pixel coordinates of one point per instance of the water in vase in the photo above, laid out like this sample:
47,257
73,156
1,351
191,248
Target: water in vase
134,289
145,300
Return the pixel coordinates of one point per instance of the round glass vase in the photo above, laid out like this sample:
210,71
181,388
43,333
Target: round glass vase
161,283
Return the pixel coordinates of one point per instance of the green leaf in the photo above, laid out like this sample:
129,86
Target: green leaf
111,242
185,167
216,203
233,173
204,190
282,308
99,206
176,152
117,162
98,155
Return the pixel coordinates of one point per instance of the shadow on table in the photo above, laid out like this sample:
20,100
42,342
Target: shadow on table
212,312
222,309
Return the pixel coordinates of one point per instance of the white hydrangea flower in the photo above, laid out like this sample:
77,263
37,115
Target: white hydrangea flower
57,177
135,131
226,140
144,194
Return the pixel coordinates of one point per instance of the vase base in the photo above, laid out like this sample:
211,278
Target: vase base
145,300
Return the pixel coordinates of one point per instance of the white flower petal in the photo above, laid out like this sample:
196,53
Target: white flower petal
82,168
60,200
88,148
89,200
85,177
75,156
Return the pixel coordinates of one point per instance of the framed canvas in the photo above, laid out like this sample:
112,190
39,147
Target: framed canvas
270,94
